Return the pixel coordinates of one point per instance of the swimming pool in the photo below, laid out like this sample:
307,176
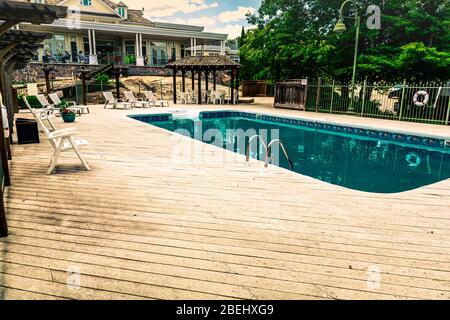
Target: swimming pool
357,158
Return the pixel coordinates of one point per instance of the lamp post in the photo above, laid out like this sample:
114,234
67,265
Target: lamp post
339,28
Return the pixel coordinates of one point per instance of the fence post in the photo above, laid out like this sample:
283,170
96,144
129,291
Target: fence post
332,97
319,82
402,100
448,113
364,97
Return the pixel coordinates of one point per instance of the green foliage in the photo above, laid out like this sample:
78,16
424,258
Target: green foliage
32,100
294,39
102,78
63,107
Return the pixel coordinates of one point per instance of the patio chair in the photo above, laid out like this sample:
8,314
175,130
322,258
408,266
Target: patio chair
184,97
193,97
217,96
129,97
61,140
44,114
72,104
151,98
49,107
111,100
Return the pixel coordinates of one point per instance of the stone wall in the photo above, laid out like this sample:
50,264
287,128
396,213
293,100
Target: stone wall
33,72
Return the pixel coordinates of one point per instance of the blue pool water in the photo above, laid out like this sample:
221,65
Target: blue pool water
354,158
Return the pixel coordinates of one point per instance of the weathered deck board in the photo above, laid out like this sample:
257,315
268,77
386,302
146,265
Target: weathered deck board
146,223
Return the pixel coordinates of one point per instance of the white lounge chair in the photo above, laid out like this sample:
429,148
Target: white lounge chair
61,140
49,107
136,102
72,104
152,99
112,101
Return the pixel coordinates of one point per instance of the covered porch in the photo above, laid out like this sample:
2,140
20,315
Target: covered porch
103,43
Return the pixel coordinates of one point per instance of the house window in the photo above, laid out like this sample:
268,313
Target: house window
86,2
130,52
38,1
54,48
122,12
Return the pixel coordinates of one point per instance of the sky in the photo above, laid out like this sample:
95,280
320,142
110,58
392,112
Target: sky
221,16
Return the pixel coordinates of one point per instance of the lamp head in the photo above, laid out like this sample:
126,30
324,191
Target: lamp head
340,26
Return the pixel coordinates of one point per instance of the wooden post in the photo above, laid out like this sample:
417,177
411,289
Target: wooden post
183,80
117,85
3,222
47,71
232,86
193,79
207,80
199,86
175,85
214,79
237,86
3,147
319,83
83,87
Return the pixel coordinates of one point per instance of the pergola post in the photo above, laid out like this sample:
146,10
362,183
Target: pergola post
207,80
232,86
199,87
175,85
183,80
237,86
193,79
214,79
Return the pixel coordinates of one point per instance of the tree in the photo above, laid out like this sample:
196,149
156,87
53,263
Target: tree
294,38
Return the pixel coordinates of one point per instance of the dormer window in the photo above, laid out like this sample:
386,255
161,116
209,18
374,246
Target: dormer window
86,2
122,9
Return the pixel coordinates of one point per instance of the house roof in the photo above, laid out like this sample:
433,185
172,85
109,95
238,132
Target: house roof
134,16
204,62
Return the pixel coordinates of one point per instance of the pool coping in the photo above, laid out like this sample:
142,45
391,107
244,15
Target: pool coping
439,142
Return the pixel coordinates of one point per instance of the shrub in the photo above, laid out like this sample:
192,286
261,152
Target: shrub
32,100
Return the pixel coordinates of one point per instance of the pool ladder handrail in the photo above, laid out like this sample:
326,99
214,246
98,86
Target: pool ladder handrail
267,148
268,154
247,154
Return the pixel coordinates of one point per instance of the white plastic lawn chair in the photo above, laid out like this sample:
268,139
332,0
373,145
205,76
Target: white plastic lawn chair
112,101
44,114
49,107
218,96
184,97
152,99
192,97
61,140
136,102
72,104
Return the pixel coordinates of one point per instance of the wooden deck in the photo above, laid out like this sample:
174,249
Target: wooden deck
140,225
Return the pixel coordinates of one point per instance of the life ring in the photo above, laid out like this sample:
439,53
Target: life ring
413,159
421,93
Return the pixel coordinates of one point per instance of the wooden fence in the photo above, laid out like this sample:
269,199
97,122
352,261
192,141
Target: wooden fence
291,94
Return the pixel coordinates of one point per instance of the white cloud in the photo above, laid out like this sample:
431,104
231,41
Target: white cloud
233,30
166,8
200,21
234,15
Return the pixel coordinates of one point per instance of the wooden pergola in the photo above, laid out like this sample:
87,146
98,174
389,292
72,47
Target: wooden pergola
203,65
17,48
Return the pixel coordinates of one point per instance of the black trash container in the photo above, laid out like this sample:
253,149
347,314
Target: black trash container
27,131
